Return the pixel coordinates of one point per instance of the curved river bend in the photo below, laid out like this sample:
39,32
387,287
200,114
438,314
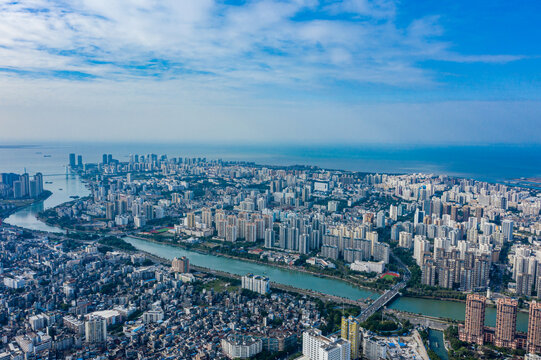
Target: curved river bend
65,186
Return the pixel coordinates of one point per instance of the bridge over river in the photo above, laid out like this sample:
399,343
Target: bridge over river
388,295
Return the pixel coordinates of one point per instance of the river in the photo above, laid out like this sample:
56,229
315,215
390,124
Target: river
64,186
437,344
436,308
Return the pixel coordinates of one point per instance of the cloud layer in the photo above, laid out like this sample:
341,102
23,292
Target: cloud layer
254,70
305,42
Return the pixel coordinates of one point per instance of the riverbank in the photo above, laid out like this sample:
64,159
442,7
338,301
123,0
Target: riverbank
272,284
295,268
50,218
20,204
279,266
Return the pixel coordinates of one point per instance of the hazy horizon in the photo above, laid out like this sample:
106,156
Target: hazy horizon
353,71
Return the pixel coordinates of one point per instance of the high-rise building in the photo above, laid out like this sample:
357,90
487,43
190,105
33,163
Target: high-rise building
72,161
35,187
506,322
404,240
25,184
533,343
231,233
80,161
256,283
39,182
96,330
190,220
380,219
318,347
420,246
250,232
428,270
206,216
181,265
474,324
351,332
109,210
17,189
507,229
269,238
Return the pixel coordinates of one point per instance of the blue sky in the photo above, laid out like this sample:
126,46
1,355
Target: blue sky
353,71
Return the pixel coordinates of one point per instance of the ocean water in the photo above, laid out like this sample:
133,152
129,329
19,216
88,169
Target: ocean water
489,163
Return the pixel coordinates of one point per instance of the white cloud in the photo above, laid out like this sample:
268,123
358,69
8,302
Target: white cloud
201,69
259,42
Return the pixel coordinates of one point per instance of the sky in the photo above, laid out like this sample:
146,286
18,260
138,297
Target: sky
299,71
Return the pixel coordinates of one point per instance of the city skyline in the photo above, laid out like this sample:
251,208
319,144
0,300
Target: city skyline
270,179
292,71
232,259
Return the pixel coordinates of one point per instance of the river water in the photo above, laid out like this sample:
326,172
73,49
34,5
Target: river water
437,344
65,186
437,308
62,188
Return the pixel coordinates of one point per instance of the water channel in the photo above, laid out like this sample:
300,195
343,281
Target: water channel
66,186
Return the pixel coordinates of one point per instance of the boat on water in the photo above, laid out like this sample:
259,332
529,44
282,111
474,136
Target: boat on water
74,196
47,156
48,182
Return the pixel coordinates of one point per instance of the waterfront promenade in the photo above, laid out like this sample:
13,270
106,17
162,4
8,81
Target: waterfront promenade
273,285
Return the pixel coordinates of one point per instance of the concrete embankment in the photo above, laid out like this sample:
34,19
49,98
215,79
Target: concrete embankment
273,285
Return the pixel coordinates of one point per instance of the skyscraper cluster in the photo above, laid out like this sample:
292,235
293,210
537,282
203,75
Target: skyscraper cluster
526,269
76,162
21,186
505,333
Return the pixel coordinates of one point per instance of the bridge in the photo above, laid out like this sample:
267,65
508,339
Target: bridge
363,316
388,295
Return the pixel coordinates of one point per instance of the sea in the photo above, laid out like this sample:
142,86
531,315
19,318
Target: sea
491,163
